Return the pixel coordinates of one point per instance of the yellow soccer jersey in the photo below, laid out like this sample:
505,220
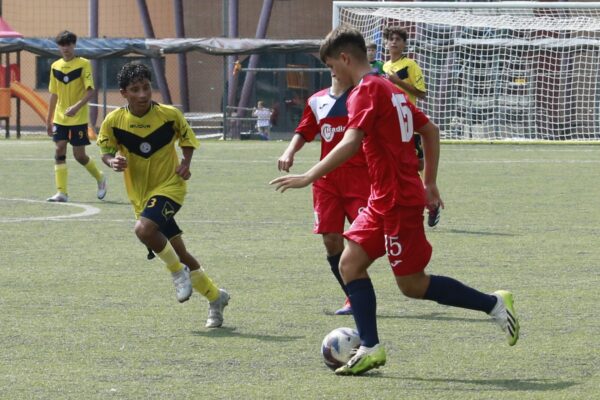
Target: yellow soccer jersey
415,75
148,143
70,80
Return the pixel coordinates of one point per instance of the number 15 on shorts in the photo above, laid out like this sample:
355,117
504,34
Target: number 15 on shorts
393,249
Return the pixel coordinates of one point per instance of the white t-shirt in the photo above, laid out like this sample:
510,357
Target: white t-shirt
263,117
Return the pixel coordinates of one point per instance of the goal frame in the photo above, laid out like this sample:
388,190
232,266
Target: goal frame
542,136
337,5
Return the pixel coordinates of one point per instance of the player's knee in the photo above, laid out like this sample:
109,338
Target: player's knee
413,286
334,243
344,272
144,231
60,154
410,291
350,271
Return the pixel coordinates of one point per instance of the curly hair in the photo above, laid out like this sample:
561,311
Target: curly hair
133,72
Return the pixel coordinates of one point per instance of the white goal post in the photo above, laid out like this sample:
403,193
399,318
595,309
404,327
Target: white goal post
497,71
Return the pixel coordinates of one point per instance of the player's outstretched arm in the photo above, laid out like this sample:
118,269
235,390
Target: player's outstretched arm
345,149
286,160
286,182
430,136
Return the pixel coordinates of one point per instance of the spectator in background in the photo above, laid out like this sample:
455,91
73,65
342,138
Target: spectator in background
263,119
376,65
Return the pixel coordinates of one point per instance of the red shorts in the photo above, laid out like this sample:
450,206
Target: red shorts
341,194
399,234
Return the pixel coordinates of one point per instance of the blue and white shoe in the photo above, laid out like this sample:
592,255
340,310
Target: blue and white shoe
346,309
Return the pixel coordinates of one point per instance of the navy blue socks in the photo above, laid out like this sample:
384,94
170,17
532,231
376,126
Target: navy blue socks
450,292
334,262
364,308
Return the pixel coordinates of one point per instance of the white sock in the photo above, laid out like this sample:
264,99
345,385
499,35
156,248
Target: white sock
498,307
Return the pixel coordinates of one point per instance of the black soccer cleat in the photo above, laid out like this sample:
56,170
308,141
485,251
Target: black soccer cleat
434,216
151,254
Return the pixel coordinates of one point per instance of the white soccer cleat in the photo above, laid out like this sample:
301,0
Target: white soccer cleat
101,188
215,310
364,359
58,198
183,284
505,316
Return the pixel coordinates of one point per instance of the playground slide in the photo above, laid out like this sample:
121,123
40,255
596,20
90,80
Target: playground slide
37,103
30,97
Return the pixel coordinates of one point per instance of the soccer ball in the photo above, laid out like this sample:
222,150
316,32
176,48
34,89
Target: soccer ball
338,345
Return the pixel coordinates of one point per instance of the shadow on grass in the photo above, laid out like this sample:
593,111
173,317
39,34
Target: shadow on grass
479,233
231,332
124,203
540,385
434,316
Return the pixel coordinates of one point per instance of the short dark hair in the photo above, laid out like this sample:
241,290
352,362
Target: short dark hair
391,30
343,39
372,45
65,37
133,72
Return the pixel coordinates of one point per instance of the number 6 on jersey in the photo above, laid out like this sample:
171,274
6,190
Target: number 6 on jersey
404,116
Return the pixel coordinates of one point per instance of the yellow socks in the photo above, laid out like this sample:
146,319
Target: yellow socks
200,281
61,174
169,257
60,177
204,285
93,170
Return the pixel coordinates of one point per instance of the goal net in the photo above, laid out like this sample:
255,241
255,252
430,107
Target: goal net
497,71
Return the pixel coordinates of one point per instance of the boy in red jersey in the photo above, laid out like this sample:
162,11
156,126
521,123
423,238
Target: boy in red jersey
382,121
341,194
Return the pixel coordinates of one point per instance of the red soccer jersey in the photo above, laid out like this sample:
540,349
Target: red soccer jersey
381,110
327,115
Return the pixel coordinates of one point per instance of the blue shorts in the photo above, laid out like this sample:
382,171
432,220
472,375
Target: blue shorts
77,135
161,210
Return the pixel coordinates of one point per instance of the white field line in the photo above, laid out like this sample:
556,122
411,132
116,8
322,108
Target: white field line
88,211
183,221
274,161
